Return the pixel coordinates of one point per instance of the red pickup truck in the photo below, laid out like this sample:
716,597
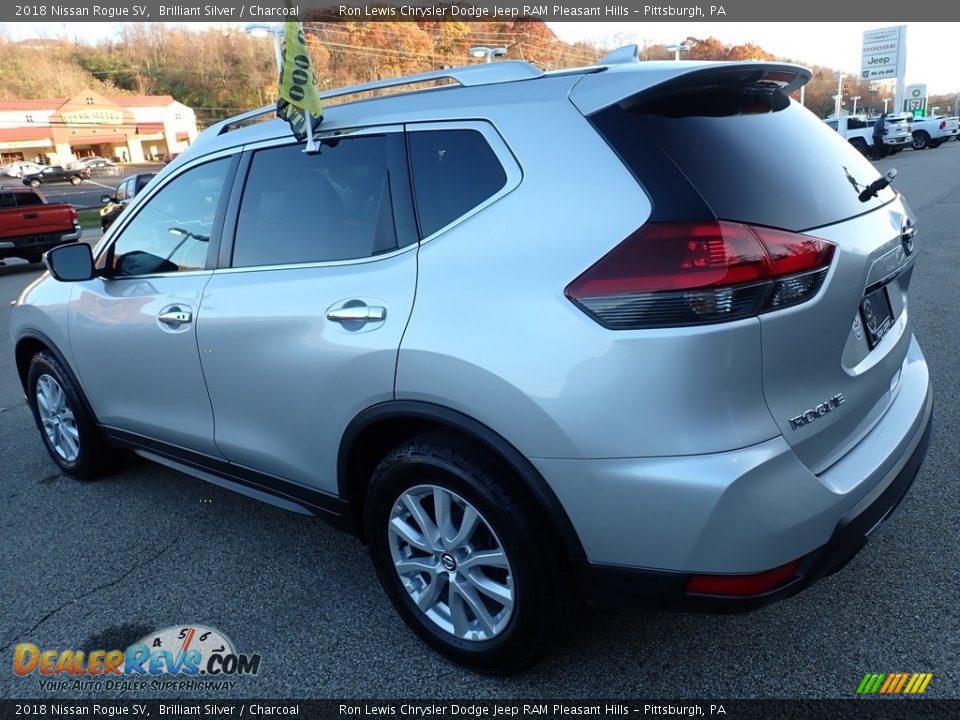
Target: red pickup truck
29,225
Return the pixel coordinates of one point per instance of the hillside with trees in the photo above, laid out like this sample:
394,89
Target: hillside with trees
222,71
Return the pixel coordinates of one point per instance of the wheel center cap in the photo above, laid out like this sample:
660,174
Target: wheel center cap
448,562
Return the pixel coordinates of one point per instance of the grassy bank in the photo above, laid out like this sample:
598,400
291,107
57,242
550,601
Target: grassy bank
89,218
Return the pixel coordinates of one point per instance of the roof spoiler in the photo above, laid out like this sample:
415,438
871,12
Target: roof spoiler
624,80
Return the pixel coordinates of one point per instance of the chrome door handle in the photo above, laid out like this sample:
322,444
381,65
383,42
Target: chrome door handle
360,313
176,317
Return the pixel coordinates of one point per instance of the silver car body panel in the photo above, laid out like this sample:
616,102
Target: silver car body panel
743,511
668,448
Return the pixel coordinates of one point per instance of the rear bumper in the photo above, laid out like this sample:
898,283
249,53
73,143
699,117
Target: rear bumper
609,585
38,243
648,524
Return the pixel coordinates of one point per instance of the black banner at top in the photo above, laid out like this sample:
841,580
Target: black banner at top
533,709
886,11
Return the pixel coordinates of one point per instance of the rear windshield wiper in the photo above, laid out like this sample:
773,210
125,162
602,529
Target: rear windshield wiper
876,186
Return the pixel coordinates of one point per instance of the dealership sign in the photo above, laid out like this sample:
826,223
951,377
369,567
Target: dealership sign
882,49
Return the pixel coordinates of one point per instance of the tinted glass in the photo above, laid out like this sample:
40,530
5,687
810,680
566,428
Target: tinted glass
122,191
28,199
171,233
332,205
141,181
784,168
453,172
8,200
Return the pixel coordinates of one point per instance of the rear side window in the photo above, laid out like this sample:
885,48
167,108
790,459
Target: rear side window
781,167
28,199
454,171
333,205
8,200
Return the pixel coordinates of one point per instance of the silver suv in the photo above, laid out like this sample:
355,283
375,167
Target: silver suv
635,333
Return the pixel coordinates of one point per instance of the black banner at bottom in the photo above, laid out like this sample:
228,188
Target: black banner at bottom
860,709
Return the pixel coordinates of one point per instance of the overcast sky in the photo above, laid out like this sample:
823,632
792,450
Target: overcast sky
931,58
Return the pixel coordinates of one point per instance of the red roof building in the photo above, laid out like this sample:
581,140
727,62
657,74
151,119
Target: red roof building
127,128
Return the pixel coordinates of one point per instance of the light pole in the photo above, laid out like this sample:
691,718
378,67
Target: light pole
839,95
855,98
677,49
259,30
488,53
885,102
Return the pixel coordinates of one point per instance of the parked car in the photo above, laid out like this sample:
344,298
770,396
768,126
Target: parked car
98,162
56,174
29,225
640,336
931,132
18,169
125,192
858,131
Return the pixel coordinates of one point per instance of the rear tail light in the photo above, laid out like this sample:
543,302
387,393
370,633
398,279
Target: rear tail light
668,274
742,585
74,215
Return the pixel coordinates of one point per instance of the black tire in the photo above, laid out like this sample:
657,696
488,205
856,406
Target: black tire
75,180
33,258
540,601
93,453
920,140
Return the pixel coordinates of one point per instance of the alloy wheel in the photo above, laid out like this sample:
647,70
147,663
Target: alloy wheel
56,416
451,562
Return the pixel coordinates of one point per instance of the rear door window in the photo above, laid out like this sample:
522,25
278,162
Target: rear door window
454,171
337,204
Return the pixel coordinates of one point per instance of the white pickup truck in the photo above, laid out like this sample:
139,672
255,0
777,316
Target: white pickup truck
930,132
858,131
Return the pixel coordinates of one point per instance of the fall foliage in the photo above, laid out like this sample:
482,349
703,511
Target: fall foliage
222,71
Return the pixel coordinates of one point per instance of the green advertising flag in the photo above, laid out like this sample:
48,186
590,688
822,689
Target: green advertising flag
299,96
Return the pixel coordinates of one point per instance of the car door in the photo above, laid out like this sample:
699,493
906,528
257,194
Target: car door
300,331
133,328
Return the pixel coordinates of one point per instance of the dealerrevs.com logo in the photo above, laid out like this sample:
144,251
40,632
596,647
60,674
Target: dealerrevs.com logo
187,657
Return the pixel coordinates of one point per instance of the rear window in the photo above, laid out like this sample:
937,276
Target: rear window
782,167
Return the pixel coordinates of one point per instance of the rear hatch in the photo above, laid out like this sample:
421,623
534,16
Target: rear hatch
725,143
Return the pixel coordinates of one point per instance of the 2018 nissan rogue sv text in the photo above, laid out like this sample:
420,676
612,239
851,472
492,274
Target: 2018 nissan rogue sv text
636,333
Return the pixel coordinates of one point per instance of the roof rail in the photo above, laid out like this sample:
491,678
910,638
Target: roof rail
468,76
621,56
227,125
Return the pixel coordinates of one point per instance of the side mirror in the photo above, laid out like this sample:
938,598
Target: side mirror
106,198
70,263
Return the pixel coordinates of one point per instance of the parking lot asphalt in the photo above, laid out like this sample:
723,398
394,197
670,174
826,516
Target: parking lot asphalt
87,193
99,565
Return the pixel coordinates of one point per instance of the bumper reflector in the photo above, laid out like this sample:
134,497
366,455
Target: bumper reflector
740,585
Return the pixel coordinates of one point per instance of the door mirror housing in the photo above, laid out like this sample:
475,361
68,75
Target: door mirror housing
107,198
70,263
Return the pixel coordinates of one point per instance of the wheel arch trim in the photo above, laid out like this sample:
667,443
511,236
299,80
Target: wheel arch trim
457,421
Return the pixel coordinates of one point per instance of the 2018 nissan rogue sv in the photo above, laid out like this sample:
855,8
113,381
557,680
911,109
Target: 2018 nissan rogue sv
637,333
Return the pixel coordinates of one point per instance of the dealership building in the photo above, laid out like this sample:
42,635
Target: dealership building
125,128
